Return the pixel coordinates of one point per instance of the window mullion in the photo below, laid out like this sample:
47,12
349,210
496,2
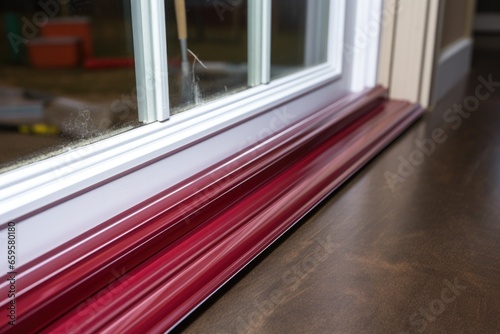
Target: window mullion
150,51
259,45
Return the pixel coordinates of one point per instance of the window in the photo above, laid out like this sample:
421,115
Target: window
279,72
69,79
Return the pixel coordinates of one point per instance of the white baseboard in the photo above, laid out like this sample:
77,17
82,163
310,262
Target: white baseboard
454,63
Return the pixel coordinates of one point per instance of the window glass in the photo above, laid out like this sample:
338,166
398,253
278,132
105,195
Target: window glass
67,75
299,35
215,50
67,72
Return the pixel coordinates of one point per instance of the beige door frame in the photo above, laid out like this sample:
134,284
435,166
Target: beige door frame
409,48
426,48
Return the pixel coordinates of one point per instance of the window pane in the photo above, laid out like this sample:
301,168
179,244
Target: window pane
217,51
66,76
299,35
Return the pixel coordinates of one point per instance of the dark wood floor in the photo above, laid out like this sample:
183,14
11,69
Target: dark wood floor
422,257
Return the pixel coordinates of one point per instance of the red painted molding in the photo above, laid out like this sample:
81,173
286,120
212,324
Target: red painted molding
144,270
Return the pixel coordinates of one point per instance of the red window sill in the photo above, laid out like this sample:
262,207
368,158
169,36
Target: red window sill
146,269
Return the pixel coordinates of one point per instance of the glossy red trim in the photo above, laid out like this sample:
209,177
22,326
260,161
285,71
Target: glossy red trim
178,247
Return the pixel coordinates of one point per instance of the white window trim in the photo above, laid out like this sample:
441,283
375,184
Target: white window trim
366,43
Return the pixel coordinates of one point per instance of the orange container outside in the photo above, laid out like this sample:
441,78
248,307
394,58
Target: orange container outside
71,27
55,52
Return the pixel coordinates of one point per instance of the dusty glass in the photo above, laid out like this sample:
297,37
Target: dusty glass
67,76
207,50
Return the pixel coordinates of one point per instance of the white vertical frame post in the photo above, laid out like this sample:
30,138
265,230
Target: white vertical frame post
374,29
259,42
359,49
366,45
151,65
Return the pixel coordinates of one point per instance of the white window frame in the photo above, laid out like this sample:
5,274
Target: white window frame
42,186
150,53
259,42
